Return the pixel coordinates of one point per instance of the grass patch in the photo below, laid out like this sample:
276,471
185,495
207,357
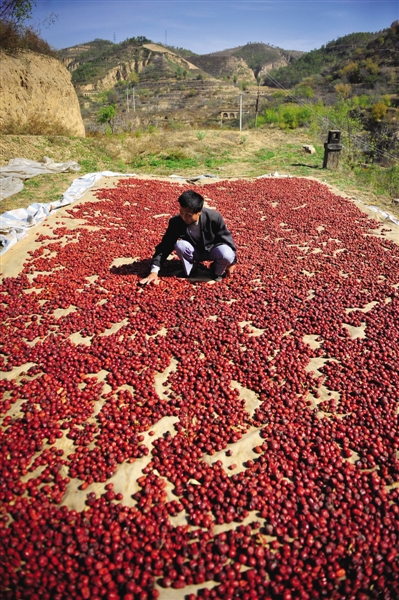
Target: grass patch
164,162
182,153
217,159
263,154
287,158
42,189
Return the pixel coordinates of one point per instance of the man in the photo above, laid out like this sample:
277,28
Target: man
196,234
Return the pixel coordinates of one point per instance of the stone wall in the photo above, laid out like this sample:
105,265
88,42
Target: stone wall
34,86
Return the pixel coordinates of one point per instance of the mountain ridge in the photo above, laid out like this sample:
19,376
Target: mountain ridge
175,84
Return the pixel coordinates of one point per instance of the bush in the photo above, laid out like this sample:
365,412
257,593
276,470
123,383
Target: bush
14,38
35,125
287,116
343,90
378,111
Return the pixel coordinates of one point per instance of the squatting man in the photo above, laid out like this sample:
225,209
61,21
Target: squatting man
196,234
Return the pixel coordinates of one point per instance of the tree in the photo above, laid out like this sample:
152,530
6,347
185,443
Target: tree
133,77
107,115
16,11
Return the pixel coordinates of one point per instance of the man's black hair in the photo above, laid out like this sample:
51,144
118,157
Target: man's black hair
191,199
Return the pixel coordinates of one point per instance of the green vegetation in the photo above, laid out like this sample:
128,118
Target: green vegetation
361,59
96,49
99,56
16,11
180,51
86,71
287,116
226,153
165,161
257,54
107,116
263,154
136,41
15,37
217,159
319,61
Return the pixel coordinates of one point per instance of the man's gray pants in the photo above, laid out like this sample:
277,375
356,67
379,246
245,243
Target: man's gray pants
222,256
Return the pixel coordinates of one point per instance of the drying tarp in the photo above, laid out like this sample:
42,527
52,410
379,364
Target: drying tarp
382,213
14,224
19,169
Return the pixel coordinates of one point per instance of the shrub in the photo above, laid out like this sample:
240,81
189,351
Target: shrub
305,91
352,72
287,116
371,66
343,90
378,111
35,125
14,38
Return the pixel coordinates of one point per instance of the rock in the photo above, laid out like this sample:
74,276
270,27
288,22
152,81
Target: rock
35,87
309,149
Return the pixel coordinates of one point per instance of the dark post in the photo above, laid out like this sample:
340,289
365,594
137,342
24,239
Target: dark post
332,148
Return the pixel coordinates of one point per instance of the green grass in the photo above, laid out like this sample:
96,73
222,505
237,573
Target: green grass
149,154
42,188
162,162
287,158
216,159
382,180
89,165
263,154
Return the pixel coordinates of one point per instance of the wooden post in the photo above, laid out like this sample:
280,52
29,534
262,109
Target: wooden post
332,148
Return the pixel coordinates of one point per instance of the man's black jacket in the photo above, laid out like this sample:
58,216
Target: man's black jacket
213,229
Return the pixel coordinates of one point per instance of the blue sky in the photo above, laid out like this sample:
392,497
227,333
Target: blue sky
208,26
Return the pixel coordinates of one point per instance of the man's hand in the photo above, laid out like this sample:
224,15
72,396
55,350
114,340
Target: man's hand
230,270
152,278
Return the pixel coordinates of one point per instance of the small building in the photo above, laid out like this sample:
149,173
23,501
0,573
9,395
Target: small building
229,114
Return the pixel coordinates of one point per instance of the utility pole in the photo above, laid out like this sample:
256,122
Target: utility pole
127,99
241,112
257,102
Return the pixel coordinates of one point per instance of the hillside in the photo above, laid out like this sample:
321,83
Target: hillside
175,87
249,61
36,93
172,85
366,61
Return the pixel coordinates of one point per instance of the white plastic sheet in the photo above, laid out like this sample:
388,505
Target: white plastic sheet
14,224
10,185
383,213
19,169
